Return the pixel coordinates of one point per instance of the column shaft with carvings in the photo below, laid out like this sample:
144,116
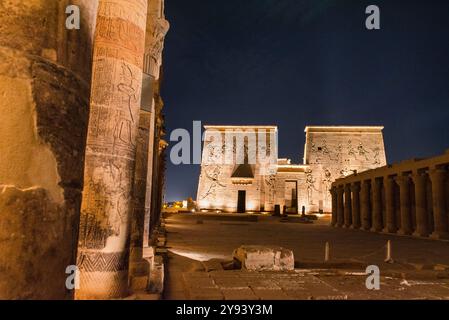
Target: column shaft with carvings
390,206
140,247
377,205
404,190
334,206
348,206
440,215
355,189
340,206
422,221
365,205
111,145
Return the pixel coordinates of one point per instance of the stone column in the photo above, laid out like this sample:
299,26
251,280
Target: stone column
422,224
377,205
45,72
347,206
365,205
140,248
390,206
355,188
340,207
111,146
404,190
438,177
334,206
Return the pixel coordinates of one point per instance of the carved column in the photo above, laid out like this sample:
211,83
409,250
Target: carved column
390,206
340,206
365,205
377,205
438,178
422,224
334,206
347,206
404,190
111,145
140,247
355,188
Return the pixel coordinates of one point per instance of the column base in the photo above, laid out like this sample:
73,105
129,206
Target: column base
439,235
423,234
376,229
404,232
347,226
390,230
355,227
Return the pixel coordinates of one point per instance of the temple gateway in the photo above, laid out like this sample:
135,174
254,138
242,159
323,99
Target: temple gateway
330,153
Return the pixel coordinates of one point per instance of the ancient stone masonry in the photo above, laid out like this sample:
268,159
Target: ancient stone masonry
408,198
329,153
45,74
111,146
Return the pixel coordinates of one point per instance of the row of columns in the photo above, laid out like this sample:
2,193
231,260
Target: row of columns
361,204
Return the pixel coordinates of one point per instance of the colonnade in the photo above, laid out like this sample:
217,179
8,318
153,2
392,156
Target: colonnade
410,198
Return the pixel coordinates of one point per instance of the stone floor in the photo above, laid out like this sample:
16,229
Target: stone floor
420,269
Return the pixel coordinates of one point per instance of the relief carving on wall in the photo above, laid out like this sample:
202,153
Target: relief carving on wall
212,174
270,181
327,182
310,183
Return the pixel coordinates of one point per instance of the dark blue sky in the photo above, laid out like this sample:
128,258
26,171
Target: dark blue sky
294,63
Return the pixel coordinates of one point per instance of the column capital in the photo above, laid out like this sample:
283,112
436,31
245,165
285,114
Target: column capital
402,180
437,174
418,177
355,186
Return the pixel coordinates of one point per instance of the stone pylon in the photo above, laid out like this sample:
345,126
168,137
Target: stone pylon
45,72
111,146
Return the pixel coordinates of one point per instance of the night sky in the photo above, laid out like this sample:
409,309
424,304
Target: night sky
293,63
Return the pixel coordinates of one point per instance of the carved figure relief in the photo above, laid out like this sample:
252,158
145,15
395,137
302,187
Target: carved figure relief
212,173
362,151
310,183
327,182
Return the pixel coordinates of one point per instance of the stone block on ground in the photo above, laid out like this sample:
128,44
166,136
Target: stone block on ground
260,258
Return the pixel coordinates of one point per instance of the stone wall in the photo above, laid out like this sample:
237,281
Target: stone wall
45,73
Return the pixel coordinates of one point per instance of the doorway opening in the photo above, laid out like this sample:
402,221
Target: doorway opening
241,201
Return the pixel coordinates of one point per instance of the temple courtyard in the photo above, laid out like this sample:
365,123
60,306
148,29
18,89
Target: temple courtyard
200,246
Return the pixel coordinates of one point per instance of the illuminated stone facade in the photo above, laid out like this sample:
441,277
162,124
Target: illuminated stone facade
330,152
222,178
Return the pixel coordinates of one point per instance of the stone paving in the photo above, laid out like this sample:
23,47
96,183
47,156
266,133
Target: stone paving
420,270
